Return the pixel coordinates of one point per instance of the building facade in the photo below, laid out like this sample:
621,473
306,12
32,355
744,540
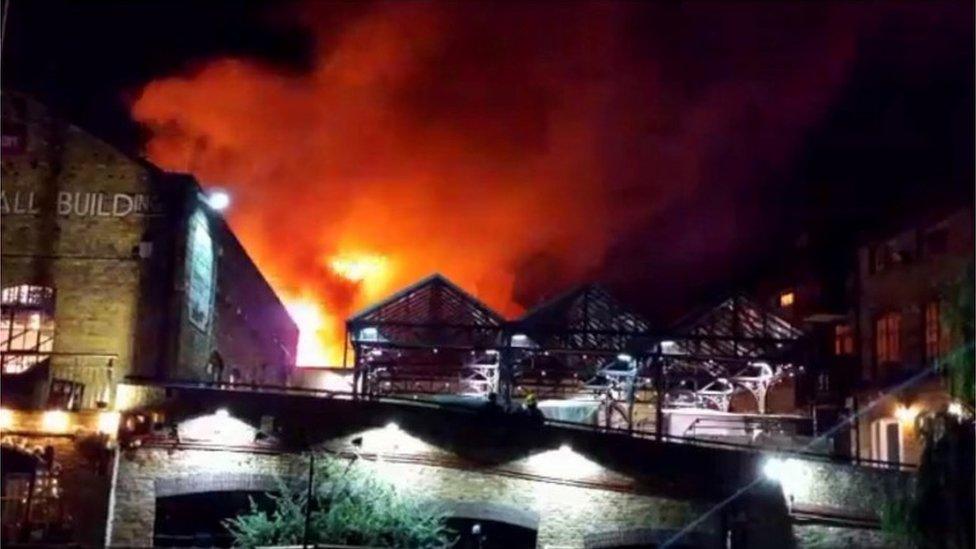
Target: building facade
114,269
906,281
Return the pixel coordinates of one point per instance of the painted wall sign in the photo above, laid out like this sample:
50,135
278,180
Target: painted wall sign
199,271
13,140
83,204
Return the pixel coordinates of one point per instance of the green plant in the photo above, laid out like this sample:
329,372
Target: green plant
940,512
959,315
897,520
350,506
944,506
282,526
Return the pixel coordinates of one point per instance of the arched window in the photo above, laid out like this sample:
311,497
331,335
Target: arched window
26,326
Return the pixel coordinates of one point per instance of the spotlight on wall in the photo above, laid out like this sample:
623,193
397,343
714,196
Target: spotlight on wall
905,414
55,421
563,462
218,200
793,475
775,469
108,423
956,409
6,418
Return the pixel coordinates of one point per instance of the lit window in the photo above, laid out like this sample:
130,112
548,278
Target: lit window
843,340
786,299
934,338
887,338
26,326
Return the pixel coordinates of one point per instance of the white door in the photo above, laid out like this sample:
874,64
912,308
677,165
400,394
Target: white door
886,440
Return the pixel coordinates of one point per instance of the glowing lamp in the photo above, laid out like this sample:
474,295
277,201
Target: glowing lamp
55,421
6,418
775,469
218,200
956,409
563,462
792,475
905,414
108,422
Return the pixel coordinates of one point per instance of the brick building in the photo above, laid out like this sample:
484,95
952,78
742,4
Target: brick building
873,317
904,282
113,268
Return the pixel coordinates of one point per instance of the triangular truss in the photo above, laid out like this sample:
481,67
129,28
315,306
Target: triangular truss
737,327
586,318
431,312
734,346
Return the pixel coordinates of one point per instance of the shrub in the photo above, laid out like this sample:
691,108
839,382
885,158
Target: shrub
350,506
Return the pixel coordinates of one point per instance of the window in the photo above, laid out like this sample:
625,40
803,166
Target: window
843,340
935,335
786,299
26,326
887,338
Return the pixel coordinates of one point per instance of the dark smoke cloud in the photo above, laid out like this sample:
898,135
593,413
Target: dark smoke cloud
506,145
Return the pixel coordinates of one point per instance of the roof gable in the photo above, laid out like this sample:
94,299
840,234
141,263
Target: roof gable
587,317
432,311
740,328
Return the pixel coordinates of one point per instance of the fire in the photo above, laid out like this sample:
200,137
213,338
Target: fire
506,152
314,336
357,268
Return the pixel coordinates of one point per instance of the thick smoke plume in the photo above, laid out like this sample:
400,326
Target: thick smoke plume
506,147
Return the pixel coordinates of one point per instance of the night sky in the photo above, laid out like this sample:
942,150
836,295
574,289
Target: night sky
726,130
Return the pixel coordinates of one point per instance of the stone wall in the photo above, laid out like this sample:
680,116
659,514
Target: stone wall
818,536
54,234
579,482
108,232
854,489
566,512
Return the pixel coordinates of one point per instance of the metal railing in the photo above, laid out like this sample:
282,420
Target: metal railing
474,409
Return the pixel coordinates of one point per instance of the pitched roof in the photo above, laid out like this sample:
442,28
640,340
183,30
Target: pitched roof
431,311
741,327
587,317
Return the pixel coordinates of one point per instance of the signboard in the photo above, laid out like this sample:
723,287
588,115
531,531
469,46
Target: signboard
13,139
199,271
83,204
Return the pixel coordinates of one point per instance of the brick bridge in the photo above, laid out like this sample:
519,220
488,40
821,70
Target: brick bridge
572,487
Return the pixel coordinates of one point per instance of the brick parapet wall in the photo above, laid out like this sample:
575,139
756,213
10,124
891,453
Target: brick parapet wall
566,512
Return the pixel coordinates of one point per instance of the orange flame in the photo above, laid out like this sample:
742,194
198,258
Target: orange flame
313,347
497,148
357,267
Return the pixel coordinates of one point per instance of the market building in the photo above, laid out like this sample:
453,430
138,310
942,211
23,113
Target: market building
112,271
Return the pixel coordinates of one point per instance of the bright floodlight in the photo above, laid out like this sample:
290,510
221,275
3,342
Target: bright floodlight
792,475
775,469
218,200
